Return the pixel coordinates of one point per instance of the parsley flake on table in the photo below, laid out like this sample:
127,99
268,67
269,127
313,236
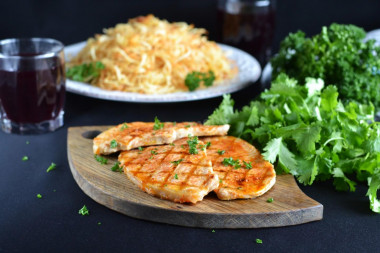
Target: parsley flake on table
99,223
27,142
193,142
52,166
101,159
259,241
116,167
177,162
25,158
157,124
270,200
113,144
213,231
39,196
84,211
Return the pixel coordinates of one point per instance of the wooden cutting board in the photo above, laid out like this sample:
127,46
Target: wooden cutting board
114,190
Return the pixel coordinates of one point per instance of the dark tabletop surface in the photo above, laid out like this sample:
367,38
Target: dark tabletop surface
52,223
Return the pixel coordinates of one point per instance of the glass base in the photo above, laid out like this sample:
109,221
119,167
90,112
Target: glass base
32,128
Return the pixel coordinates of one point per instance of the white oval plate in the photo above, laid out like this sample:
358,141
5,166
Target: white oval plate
249,72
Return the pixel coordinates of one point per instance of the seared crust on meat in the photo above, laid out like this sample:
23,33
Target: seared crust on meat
239,182
170,172
137,134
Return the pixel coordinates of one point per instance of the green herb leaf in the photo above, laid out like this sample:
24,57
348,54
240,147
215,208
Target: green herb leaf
177,162
101,159
157,124
208,144
52,166
175,176
25,158
86,72
116,167
113,144
270,200
221,152
193,142
124,126
194,79
247,165
39,196
84,211
231,162
259,241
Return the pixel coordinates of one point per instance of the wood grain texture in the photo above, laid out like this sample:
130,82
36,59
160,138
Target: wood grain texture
114,190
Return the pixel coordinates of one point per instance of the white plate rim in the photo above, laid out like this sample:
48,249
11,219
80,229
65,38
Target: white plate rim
249,72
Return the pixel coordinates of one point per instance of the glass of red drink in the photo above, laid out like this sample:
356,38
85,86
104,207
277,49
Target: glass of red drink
248,25
32,85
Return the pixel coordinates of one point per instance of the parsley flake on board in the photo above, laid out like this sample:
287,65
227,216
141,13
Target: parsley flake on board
270,200
52,166
101,159
305,130
193,142
116,167
84,211
157,124
25,158
259,241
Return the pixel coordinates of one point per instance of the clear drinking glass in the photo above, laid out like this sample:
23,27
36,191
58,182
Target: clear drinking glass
32,85
248,25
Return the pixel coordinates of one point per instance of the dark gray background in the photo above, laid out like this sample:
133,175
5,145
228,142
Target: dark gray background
52,224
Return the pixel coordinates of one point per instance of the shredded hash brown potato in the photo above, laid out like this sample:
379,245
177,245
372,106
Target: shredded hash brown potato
149,55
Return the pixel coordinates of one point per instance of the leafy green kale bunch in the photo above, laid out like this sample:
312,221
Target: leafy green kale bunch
337,55
306,131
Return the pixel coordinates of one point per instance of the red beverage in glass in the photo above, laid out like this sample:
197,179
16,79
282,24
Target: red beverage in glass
32,86
248,25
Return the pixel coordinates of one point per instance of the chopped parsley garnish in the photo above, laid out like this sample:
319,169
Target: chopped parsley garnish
171,144
195,78
157,124
84,211
124,126
208,144
174,123
187,126
221,152
182,146
27,142
101,159
177,162
113,144
220,181
193,142
141,148
270,200
39,196
213,231
153,152
99,223
247,165
259,241
52,166
116,167
175,176
25,158
231,162
85,72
